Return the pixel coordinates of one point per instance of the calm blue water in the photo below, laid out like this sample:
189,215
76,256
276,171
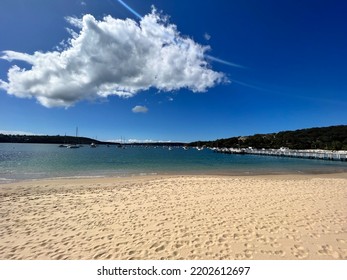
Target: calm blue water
35,161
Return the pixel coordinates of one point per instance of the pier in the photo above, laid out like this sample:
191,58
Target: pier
285,152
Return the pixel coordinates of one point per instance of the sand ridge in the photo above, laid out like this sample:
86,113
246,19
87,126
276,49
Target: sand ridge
175,217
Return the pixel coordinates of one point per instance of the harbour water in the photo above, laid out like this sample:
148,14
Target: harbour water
36,161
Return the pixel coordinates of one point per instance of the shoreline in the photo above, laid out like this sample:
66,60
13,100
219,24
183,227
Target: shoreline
334,173
176,217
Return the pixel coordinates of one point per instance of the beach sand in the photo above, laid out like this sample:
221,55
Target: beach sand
176,217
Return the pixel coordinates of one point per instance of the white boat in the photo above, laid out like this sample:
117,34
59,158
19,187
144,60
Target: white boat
93,145
73,146
63,146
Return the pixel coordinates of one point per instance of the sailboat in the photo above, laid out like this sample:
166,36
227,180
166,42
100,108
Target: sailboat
121,144
74,146
63,145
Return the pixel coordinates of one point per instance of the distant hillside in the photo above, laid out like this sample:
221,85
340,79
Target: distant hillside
58,139
46,139
327,138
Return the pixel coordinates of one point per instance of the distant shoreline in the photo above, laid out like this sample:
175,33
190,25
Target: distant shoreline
325,138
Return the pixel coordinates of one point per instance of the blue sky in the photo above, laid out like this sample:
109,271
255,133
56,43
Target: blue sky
292,55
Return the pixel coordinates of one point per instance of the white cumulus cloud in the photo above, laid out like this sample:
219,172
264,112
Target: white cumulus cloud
111,57
140,109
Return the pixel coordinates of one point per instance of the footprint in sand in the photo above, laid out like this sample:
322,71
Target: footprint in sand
275,245
249,254
315,235
299,251
178,245
328,251
249,246
236,236
131,252
99,255
160,248
280,253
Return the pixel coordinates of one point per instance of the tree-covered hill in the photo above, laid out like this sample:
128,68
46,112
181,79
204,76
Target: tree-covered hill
46,139
328,138
58,139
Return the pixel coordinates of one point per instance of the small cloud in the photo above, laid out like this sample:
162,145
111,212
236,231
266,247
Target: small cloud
83,3
171,99
140,109
207,36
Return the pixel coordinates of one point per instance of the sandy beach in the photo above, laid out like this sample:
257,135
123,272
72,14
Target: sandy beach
176,217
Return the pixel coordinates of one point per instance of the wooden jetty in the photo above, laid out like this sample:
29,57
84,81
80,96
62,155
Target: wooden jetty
285,152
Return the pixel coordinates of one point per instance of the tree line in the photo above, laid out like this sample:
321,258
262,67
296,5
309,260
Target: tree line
58,139
46,139
326,138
